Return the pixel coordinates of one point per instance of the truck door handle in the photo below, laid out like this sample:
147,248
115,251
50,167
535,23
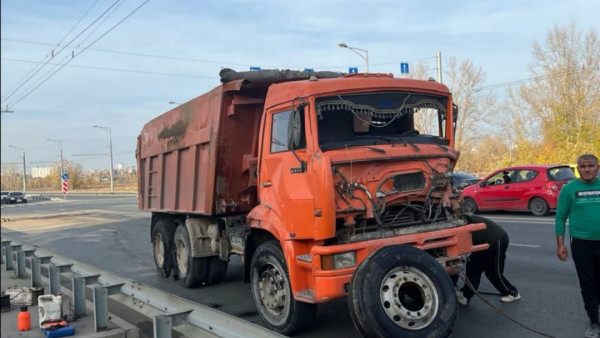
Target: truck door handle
266,184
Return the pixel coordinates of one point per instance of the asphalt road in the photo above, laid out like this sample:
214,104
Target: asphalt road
110,233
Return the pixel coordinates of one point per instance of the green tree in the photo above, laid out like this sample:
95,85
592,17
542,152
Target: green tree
561,106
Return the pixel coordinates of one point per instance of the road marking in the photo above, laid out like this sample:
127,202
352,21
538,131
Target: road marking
525,245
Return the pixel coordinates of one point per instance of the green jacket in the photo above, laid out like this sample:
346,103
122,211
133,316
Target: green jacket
580,203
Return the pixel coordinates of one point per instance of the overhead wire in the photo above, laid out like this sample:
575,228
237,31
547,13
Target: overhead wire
84,49
28,78
120,70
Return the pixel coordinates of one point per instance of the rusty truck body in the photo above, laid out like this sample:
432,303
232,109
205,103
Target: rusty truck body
322,185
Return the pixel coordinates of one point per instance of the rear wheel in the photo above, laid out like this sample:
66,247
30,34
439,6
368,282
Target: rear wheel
539,207
401,291
272,292
470,205
191,271
162,244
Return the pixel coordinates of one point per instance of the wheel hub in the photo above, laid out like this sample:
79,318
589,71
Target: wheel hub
272,290
409,298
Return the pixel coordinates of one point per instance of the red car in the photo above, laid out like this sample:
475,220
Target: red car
527,187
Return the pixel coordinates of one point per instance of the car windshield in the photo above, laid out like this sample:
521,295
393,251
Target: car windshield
15,194
363,119
560,174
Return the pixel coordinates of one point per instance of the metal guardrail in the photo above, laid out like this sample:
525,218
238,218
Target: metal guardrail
84,192
169,312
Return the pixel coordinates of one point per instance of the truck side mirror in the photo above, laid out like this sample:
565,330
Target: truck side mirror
454,118
294,129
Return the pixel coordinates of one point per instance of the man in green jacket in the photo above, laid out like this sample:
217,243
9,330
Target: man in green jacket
579,201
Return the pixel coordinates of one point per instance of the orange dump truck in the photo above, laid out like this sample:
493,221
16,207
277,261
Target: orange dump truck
323,186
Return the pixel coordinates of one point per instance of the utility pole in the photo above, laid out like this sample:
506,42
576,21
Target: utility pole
24,168
438,57
108,130
62,166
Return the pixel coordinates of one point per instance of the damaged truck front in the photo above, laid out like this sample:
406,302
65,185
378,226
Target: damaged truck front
324,187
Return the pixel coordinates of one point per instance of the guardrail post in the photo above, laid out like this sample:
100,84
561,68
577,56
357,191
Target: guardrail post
21,269
163,324
54,279
36,271
79,283
101,293
5,242
8,253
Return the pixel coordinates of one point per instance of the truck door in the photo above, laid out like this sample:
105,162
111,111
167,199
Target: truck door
283,183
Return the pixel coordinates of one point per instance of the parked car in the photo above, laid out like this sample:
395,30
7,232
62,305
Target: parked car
16,197
461,180
528,187
4,197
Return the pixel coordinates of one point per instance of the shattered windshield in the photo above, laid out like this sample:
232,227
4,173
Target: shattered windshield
380,118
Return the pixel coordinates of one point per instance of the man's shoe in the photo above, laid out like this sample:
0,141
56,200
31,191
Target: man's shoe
462,300
593,331
510,298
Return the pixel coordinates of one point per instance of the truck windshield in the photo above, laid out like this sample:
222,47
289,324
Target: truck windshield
350,120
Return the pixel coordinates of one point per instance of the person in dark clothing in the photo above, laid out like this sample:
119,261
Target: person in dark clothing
490,262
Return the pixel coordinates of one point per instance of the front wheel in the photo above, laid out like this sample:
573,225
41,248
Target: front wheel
471,205
401,291
539,207
272,292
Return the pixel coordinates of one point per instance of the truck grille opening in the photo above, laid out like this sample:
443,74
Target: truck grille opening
409,182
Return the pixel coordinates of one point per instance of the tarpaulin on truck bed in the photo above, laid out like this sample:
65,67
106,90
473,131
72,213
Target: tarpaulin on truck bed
273,75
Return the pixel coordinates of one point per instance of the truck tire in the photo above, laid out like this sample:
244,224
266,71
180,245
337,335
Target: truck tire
217,269
272,292
191,271
401,291
162,246
539,207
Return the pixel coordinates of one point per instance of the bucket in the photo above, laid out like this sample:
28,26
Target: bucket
49,308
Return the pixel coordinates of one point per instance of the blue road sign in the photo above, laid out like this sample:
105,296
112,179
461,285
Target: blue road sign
254,68
353,70
404,67
309,69
64,176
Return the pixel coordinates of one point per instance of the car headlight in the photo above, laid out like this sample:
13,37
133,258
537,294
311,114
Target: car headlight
338,261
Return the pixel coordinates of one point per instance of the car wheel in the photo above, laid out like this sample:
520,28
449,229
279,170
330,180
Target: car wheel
162,244
470,205
539,207
272,291
401,291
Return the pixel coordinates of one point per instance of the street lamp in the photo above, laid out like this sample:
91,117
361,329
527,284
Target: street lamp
363,53
108,130
24,169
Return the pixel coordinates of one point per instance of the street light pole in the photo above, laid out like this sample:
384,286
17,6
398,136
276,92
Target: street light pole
364,53
24,169
62,166
108,130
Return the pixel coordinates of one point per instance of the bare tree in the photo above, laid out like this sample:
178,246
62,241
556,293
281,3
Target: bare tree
475,107
564,98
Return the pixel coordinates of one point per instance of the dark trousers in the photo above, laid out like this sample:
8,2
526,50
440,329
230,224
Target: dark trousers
586,255
490,261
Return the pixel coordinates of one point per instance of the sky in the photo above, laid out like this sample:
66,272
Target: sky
69,65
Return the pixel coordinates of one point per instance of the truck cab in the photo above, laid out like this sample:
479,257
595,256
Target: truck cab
326,185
